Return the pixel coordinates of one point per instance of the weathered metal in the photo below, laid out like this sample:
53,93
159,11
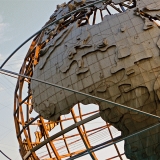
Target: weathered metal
62,24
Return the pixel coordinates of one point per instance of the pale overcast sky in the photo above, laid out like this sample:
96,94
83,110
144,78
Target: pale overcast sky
19,19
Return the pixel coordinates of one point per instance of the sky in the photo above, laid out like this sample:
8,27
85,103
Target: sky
18,20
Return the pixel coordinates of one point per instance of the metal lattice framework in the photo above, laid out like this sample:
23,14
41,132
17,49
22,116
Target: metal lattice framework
32,130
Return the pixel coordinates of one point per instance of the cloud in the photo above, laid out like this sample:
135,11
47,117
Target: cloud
3,29
1,58
2,25
1,19
1,89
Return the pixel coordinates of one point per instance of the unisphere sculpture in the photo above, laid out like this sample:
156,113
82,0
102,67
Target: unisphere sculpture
117,59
